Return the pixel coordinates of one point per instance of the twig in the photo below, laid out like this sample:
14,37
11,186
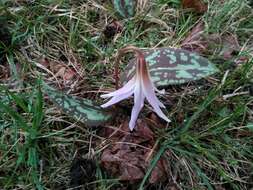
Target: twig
234,94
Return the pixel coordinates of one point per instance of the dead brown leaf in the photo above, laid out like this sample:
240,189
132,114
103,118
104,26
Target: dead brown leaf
195,40
196,5
230,46
60,70
129,154
227,44
158,173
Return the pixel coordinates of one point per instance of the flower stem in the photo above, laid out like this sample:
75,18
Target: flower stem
121,52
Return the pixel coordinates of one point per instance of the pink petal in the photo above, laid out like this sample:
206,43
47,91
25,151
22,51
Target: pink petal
159,91
159,112
148,86
126,88
138,104
149,92
117,99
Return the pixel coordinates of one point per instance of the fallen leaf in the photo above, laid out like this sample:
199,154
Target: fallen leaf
131,171
195,41
230,47
158,173
155,121
59,69
196,5
69,74
127,156
45,62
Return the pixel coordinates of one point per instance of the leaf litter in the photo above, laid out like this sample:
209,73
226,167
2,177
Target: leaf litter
194,41
198,41
129,154
126,157
197,6
60,70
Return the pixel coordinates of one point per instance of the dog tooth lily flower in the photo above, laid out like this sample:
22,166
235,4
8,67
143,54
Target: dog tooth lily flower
140,85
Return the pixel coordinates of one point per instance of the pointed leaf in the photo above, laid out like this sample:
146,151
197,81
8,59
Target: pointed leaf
172,66
81,109
250,126
125,8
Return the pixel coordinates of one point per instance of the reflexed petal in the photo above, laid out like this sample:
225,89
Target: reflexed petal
159,112
117,99
147,85
126,88
156,107
138,104
148,90
141,86
159,91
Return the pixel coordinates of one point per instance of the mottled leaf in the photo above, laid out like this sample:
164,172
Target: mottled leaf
172,66
250,126
82,109
125,8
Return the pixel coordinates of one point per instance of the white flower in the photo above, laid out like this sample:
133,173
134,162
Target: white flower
142,87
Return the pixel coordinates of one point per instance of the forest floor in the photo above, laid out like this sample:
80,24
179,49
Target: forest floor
71,45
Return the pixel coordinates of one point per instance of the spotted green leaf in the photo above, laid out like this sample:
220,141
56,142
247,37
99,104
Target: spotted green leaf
172,66
82,109
250,126
125,8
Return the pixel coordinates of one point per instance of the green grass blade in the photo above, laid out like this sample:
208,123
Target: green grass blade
152,165
210,98
17,117
38,110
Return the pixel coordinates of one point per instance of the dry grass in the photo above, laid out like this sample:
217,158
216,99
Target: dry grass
212,149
